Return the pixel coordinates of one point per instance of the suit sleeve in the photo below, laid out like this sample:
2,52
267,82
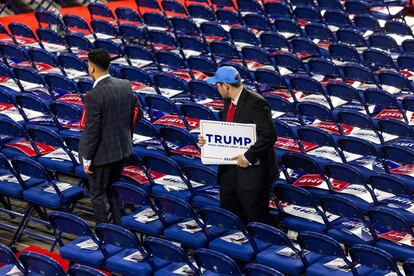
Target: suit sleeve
92,131
266,134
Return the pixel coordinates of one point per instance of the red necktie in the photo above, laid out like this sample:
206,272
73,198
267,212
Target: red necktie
230,112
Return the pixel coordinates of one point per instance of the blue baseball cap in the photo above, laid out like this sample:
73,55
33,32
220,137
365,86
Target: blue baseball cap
225,74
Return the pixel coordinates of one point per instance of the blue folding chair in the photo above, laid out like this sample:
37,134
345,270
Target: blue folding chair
35,111
67,116
202,90
161,40
257,22
351,37
166,257
384,42
349,225
383,101
73,66
22,33
146,139
385,223
397,27
44,61
243,37
305,47
52,194
10,83
83,270
345,92
173,8
184,26
319,31
173,182
9,260
227,16
208,193
336,17
276,10
272,40
394,79
31,81
326,68
51,40
13,54
128,15
139,56
227,234
270,240
377,59
388,190
201,13
78,44
156,21
357,72
113,236
61,159
101,11
215,262
224,51
323,250
60,86
257,58
75,23
307,13
198,111
182,225
379,261
253,269
132,34
36,263
309,216
358,191
171,87
364,21
308,86
288,27
289,61
143,217
213,31
345,53
92,255
151,5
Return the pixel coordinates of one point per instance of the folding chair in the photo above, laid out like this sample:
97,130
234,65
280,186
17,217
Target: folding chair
173,9
23,34
35,263
311,89
288,27
272,40
139,56
83,270
351,37
79,45
76,24
128,16
51,194
167,257
379,261
203,64
243,37
192,46
201,13
350,183
348,225
257,58
319,31
173,64
84,247
389,78
173,182
148,5
304,47
182,225
307,13
377,59
399,28
184,26
216,262
198,112
131,257
44,61
67,116
132,34
171,87
389,190
156,21
101,11
213,31
257,22
276,10
224,51
51,40
384,42
322,67
290,62
271,240
249,7
227,234
13,54
161,40
337,18
391,227
298,210
408,267
73,66
317,115
355,72
202,90
328,250
386,105
208,193
60,86
364,21
9,260
143,216
35,111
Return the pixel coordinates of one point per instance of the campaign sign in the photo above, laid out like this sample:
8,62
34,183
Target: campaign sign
225,140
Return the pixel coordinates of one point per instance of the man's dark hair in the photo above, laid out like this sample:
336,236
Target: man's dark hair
100,58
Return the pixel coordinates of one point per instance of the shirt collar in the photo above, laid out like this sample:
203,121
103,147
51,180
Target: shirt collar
99,79
236,100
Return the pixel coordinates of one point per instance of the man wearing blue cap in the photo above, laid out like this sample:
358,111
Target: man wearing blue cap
244,188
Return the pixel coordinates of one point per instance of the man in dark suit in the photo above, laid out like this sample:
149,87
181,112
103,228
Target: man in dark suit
106,140
244,188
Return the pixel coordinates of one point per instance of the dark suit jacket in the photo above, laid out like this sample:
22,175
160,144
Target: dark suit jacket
107,136
253,108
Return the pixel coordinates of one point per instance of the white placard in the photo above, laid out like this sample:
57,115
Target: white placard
225,140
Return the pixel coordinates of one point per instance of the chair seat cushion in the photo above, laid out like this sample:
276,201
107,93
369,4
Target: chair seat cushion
195,240
285,264
153,228
300,224
40,197
95,258
398,251
61,166
243,252
169,270
118,264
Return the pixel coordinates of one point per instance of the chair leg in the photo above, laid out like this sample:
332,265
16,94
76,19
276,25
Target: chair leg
22,225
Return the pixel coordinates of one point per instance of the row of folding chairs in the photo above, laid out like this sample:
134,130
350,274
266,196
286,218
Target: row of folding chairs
31,263
257,243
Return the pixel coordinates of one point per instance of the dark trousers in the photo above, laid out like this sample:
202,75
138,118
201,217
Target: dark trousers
248,205
100,182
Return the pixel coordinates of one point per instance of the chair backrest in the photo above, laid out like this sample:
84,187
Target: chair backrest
175,209
75,21
351,37
197,111
47,35
156,19
100,9
254,269
305,45
221,219
357,146
357,72
71,61
166,250
131,194
384,42
161,164
200,174
344,52
257,21
376,58
301,162
274,40
366,22
36,263
178,136
398,154
135,74
295,195
396,27
43,56
266,236
110,234
63,222
373,257
322,244
83,270
7,256
78,41
12,51
128,14
342,206
409,267
216,262
389,219
315,136
20,29
388,183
